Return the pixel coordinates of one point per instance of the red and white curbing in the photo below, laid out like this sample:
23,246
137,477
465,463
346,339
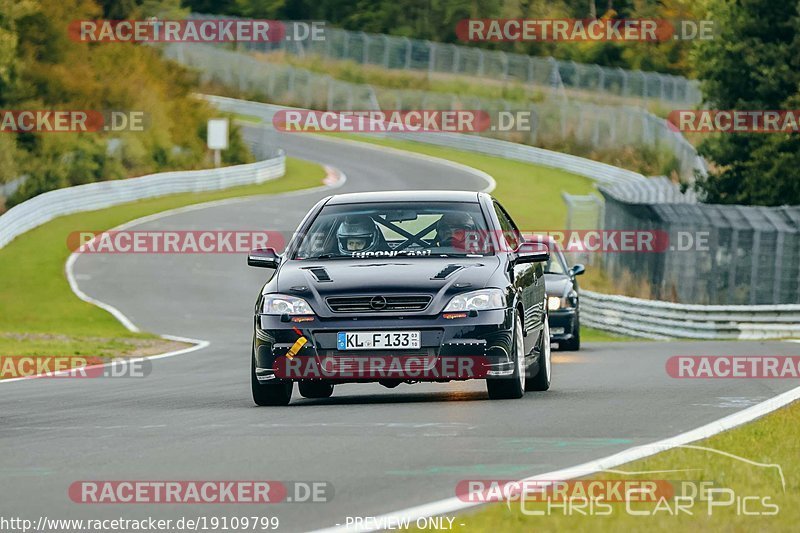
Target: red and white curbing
333,177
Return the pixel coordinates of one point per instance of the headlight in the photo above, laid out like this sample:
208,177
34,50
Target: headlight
553,303
478,300
572,299
279,304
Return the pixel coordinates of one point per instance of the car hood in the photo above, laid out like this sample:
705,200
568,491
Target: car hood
557,284
439,278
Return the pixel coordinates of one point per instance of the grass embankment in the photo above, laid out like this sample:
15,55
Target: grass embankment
459,84
771,440
41,315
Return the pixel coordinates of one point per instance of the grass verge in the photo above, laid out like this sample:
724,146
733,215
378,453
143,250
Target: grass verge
41,315
750,498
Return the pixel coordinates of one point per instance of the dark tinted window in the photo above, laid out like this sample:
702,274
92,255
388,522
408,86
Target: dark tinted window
391,229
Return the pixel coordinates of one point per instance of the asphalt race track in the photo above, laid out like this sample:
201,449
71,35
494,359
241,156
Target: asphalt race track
382,449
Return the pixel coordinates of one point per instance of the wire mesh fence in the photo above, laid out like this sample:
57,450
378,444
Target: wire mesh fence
553,122
402,53
584,212
718,254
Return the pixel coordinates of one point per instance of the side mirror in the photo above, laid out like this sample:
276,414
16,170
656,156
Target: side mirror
577,269
266,258
532,252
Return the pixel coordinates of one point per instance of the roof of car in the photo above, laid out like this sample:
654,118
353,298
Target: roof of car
404,196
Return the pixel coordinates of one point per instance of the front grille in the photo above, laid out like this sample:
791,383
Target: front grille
373,304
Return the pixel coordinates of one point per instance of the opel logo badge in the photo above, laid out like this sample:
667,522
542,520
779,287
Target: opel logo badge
378,303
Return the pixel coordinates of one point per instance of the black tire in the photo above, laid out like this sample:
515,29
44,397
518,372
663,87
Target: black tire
510,387
269,394
574,344
541,380
315,389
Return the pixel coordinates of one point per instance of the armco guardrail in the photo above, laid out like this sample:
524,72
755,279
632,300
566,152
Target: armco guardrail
47,206
665,320
620,314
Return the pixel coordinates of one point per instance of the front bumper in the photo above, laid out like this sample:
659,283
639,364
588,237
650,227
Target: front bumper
471,347
563,324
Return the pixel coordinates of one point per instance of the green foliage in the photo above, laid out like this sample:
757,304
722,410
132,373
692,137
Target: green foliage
42,68
753,64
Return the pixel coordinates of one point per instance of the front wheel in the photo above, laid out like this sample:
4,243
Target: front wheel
269,394
541,381
513,386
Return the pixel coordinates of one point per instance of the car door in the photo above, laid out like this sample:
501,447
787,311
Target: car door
528,281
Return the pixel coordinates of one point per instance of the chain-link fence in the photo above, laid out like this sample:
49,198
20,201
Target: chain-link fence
552,123
584,212
443,59
718,254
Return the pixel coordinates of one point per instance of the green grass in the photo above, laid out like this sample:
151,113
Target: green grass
41,315
596,335
769,440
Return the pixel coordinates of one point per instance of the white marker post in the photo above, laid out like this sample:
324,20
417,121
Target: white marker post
217,137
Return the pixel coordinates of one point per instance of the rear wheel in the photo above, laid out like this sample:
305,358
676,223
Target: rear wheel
541,381
315,389
269,394
513,386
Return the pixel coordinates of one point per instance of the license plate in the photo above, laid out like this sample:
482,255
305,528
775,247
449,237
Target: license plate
377,340
556,331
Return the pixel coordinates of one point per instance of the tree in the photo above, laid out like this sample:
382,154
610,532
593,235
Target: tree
752,64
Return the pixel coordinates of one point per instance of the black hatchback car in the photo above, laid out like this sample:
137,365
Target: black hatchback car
563,303
402,287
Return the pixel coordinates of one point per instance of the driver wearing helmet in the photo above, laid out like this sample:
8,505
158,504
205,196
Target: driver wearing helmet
452,228
358,234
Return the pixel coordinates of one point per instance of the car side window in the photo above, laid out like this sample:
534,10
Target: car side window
509,229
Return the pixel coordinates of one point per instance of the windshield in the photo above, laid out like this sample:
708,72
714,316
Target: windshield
392,229
555,264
